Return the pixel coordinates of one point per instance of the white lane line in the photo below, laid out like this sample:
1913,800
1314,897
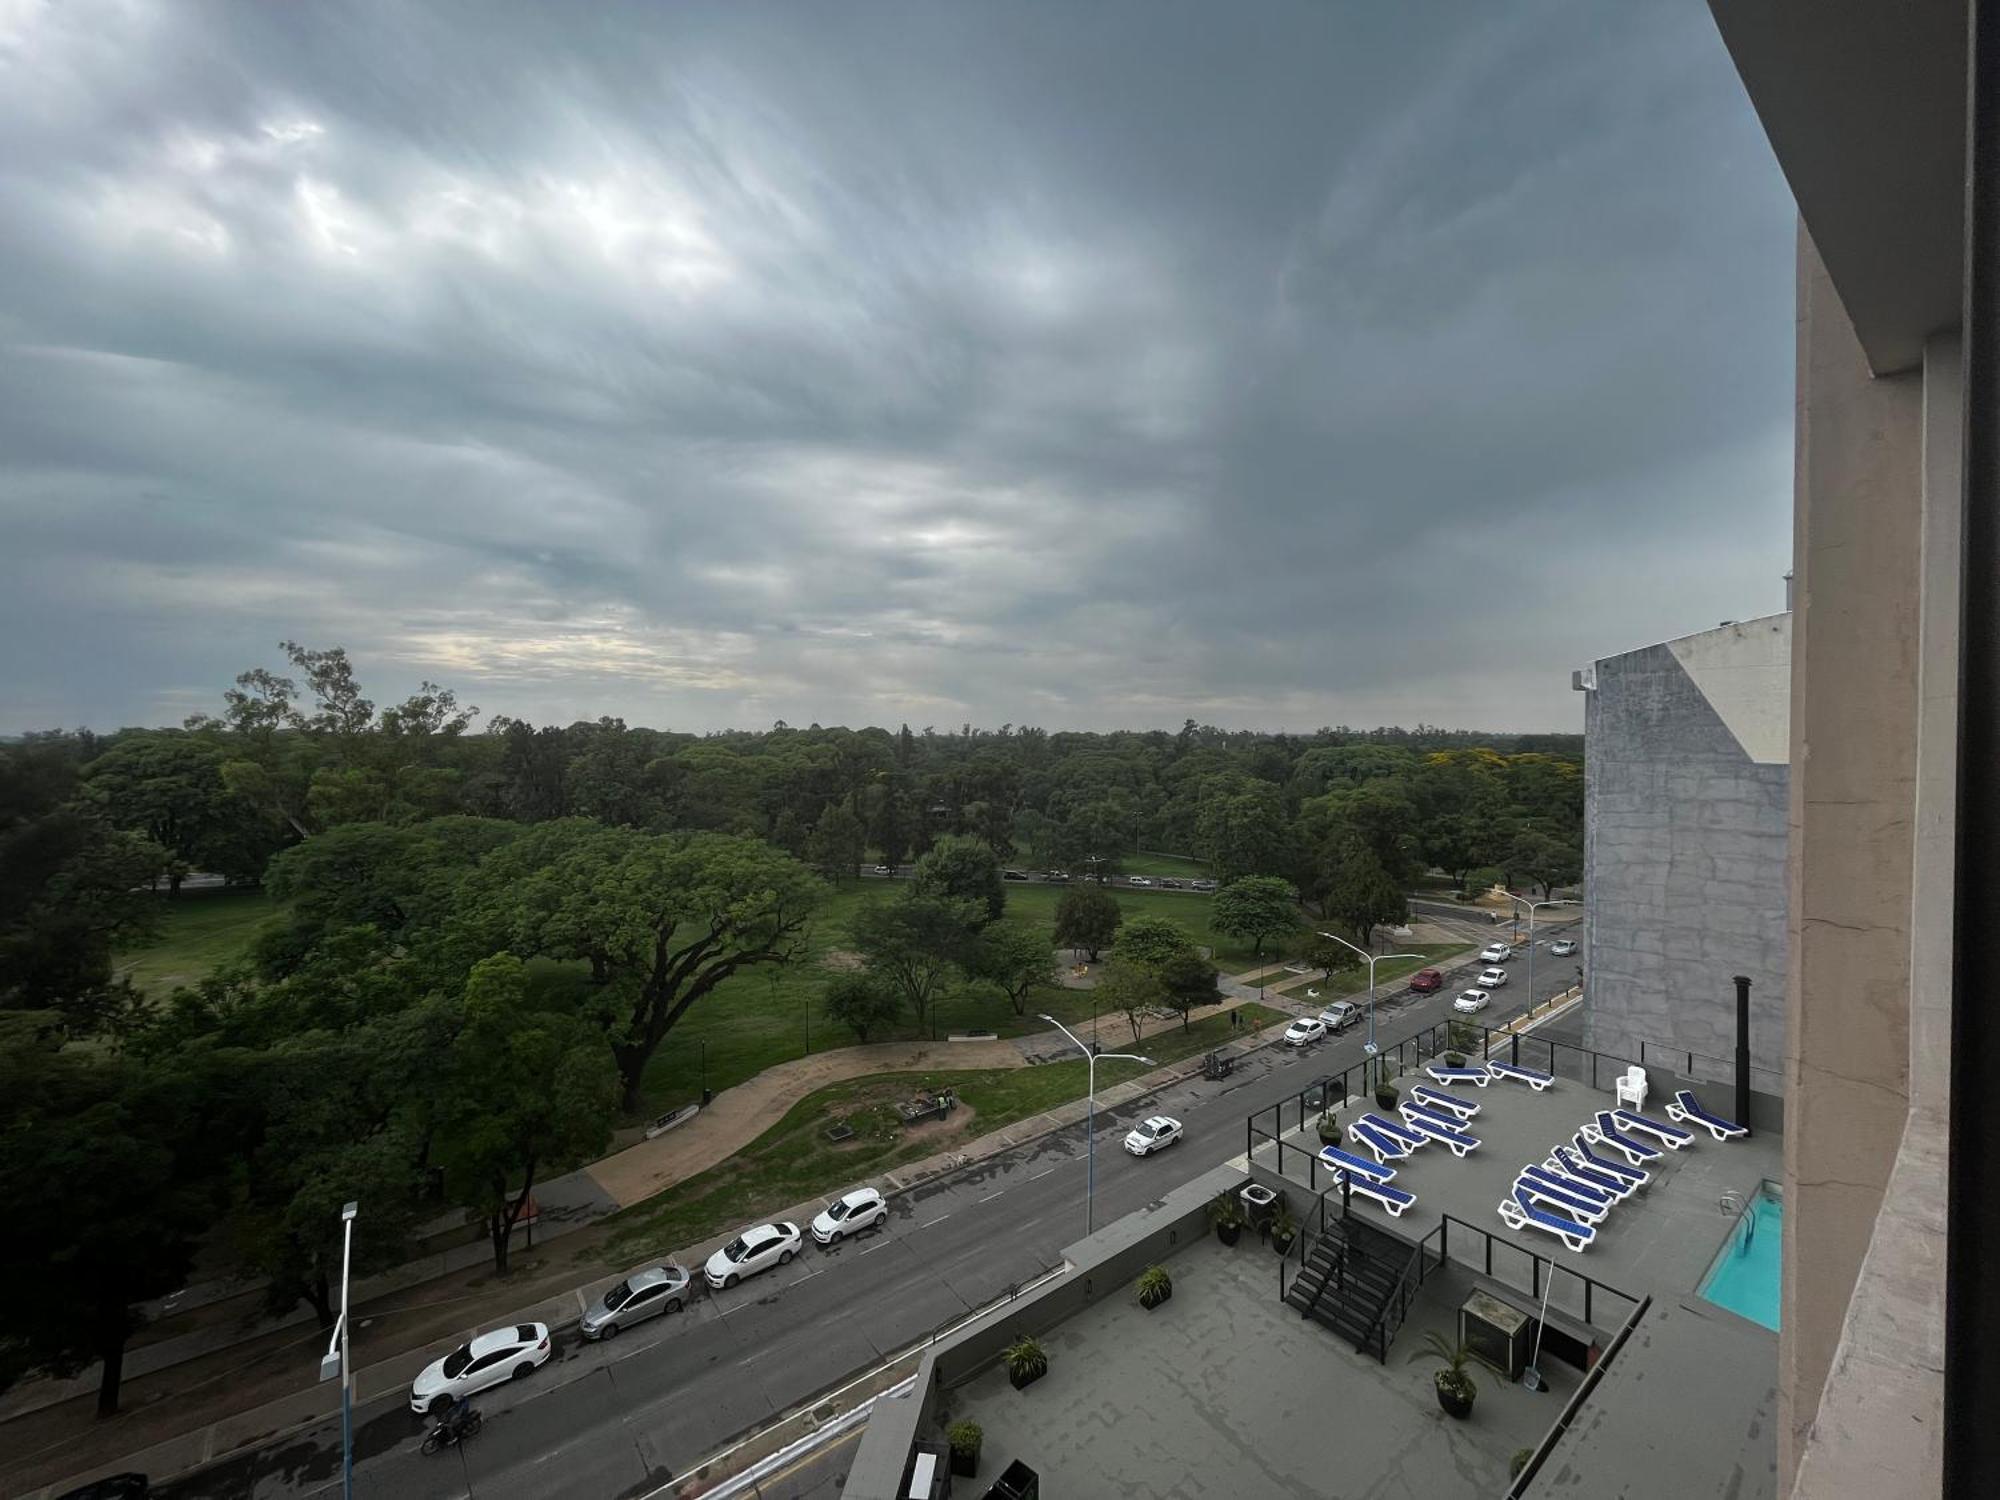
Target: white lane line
1041,1174
938,1220
987,1199
878,1245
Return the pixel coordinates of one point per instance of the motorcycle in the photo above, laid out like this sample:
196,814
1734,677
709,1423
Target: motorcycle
450,1433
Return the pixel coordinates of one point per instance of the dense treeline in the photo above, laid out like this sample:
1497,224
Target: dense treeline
389,1038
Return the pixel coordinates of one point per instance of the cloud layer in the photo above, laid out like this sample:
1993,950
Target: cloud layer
708,365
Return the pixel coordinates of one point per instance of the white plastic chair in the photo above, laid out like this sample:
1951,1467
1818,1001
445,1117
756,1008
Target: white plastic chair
1632,1088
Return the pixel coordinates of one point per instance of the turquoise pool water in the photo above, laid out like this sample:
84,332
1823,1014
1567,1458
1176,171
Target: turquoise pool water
1745,1275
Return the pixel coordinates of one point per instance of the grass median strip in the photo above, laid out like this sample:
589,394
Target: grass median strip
793,1160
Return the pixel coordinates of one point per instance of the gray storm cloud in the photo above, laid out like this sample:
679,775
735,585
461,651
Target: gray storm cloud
1082,366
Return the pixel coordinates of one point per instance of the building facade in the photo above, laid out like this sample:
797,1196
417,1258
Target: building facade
1687,772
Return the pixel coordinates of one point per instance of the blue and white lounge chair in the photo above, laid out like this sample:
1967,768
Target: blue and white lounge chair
1385,1146
1687,1109
1443,1131
1432,1098
1339,1160
1389,1196
1396,1130
1520,1212
1443,1074
1567,1163
1534,1078
1604,1131
1589,1192
1636,1175
1574,1204
1670,1136
1412,1112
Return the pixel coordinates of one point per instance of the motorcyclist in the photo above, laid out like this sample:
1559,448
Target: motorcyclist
453,1425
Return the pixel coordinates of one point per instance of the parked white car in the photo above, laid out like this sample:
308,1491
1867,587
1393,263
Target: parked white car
1472,1001
1491,979
1140,880
753,1250
1305,1029
500,1355
1495,953
1149,1136
1561,948
864,1208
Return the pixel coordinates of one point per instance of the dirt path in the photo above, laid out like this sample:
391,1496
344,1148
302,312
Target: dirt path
737,1116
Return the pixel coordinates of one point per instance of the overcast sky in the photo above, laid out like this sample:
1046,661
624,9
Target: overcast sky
1074,364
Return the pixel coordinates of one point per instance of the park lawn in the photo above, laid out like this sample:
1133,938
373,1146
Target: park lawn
1153,863
199,932
1355,980
793,1160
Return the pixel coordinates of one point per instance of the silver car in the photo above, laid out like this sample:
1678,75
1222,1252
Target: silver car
642,1295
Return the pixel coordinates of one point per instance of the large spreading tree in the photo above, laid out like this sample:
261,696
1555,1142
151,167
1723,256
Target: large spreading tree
1257,909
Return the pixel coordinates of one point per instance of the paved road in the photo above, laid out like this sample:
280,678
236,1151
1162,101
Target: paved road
621,1419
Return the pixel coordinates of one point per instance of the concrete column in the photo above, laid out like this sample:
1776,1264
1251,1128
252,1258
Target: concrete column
1858,528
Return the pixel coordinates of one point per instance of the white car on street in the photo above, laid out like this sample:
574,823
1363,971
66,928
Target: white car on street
1472,1001
753,1250
1562,948
1491,979
864,1208
500,1355
1305,1029
1140,880
1495,953
1149,1136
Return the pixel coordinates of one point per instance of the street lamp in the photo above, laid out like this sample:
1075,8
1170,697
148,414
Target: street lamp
1090,1139
1533,907
1372,960
336,1362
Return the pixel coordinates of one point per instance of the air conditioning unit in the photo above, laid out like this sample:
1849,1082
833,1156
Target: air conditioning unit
1496,1332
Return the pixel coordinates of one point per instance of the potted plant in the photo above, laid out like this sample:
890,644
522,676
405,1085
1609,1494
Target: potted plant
1226,1214
1284,1228
1454,1059
1155,1287
965,1438
1027,1362
1386,1092
1519,1462
1454,1381
1329,1127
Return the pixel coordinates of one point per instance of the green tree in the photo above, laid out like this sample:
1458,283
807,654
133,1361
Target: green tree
1014,957
916,944
1132,990
1087,917
837,843
1329,957
860,1001
661,919
1240,829
963,869
168,788
527,1090
1149,942
1186,981
1256,908
1361,895
1543,859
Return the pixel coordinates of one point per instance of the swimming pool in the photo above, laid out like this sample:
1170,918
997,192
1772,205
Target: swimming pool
1745,1275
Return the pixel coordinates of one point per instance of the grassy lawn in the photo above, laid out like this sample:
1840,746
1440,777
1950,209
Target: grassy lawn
1387,975
793,1159
198,933
1163,864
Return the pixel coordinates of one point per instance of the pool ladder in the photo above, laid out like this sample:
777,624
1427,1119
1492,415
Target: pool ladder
1732,1203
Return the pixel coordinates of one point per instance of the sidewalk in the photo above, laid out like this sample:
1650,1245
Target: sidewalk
307,1406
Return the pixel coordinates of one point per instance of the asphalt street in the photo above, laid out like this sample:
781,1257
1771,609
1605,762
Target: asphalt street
626,1417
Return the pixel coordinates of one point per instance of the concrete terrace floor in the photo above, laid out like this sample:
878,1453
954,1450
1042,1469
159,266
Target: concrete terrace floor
1226,1391
1690,1366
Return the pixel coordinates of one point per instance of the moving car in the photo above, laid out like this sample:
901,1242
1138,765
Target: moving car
1305,1029
883,870
1427,981
1168,883
1058,876
1491,979
1495,953
642,1295
1149,1136
1562,948
502,1354
1201,885
1013,874
864,1208
756,1249
1139,880
1471,1001
1339,1015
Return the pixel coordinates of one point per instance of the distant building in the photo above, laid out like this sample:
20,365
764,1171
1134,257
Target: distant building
1687,770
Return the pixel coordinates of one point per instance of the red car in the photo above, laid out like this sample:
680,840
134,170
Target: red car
1426,982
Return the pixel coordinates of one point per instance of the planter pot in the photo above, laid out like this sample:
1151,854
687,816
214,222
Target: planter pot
1228,1233
1166,1296
1021,1382
964,1462
1386,1098
1454,1404
1330,1138
1282,1244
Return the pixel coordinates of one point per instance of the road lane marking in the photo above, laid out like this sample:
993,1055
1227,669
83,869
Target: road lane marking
987,1199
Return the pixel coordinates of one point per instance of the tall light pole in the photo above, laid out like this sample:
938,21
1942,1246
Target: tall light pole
337,1363
1090,1140
1533,907
1371,959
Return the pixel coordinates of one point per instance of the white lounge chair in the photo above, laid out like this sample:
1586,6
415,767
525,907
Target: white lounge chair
1338,1160
1441,1129
1385,1146
1534,1078
1670,1136
1520,1212
1603,1130
1477,1076
1688,1110
1456,1104
1574,1204
1393,1198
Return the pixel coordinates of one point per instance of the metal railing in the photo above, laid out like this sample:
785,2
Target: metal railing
1396,1306
1574,1405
